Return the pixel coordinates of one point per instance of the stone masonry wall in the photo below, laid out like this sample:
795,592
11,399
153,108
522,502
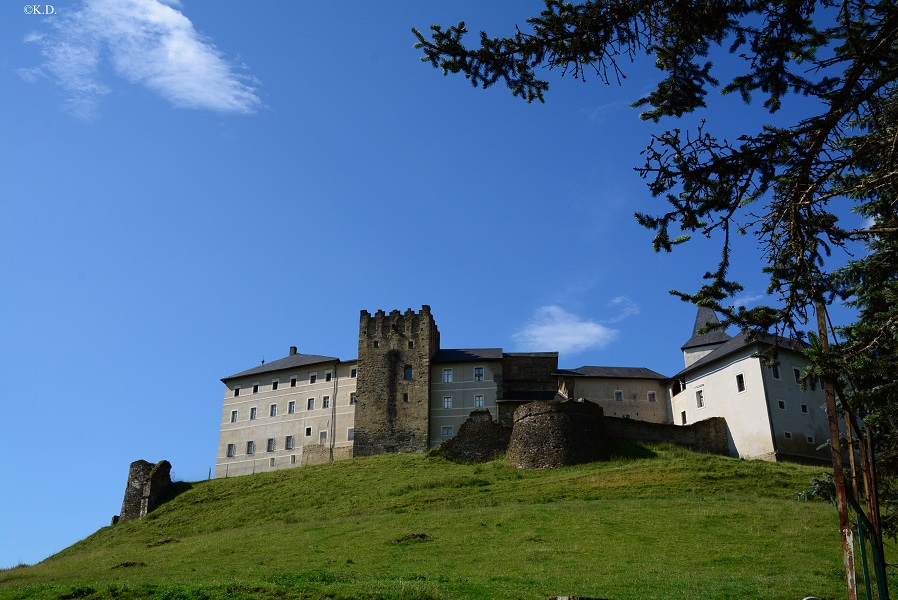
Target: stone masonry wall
556,434
708,436
479,439
315,454
392,412
147,484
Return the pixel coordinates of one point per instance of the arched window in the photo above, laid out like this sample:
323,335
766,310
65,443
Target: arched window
408,373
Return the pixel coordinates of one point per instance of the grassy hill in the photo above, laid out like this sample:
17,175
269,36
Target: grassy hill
661,522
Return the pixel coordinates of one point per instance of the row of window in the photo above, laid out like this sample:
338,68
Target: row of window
448,375
619,396
289,442
478,401
291,407
313,378
808,438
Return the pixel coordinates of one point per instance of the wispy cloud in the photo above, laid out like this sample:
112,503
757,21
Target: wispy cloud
746,299
553,328
624,307
148,42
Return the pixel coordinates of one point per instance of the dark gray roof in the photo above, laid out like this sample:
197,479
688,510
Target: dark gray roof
291,362
739,343
705,317
613,373
455,355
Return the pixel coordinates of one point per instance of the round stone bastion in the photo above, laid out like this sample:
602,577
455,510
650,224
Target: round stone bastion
557,434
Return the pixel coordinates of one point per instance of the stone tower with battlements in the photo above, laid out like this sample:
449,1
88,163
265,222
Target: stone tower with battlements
393,386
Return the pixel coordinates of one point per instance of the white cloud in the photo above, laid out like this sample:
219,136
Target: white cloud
625,308
148,42
554,329
746,300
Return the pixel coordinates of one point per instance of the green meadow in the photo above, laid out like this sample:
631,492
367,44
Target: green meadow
654,522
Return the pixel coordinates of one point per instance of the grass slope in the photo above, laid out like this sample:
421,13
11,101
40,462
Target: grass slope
662,522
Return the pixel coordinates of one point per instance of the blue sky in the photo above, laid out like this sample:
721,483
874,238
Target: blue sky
188,188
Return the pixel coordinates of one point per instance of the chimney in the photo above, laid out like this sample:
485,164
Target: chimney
292,350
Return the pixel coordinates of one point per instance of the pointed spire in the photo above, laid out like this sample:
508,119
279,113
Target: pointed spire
703,319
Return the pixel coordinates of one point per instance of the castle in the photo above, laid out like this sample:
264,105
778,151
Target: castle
404,393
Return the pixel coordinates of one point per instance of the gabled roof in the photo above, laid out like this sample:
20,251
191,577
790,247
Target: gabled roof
703,319
456,355
290,362
739,343
613,373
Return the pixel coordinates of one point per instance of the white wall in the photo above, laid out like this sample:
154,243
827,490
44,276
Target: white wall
336,420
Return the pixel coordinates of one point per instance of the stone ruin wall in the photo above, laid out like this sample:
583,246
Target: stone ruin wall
147,485
708,436
555,434
385,422
479,439
316,454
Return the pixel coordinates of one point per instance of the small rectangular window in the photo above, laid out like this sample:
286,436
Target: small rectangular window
776,371
328,375
810,439
274,384
271,444
804,408
376,344
447,401
293,382
700,398
292,459
350,434
236,391
740,383
326,402
289,443
782,405
787,435
291,407
250,447
405,398
478,401
683,417
446,430
271,462
252,414
354,373
255,388
233,416
310,404
353,398
411,345
619,395
447,375
651,397
232,450
408,373
797,374
478,373
313,377
273,410
322,437
308,432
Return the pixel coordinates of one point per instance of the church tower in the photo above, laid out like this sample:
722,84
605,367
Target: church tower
392,413
702,344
